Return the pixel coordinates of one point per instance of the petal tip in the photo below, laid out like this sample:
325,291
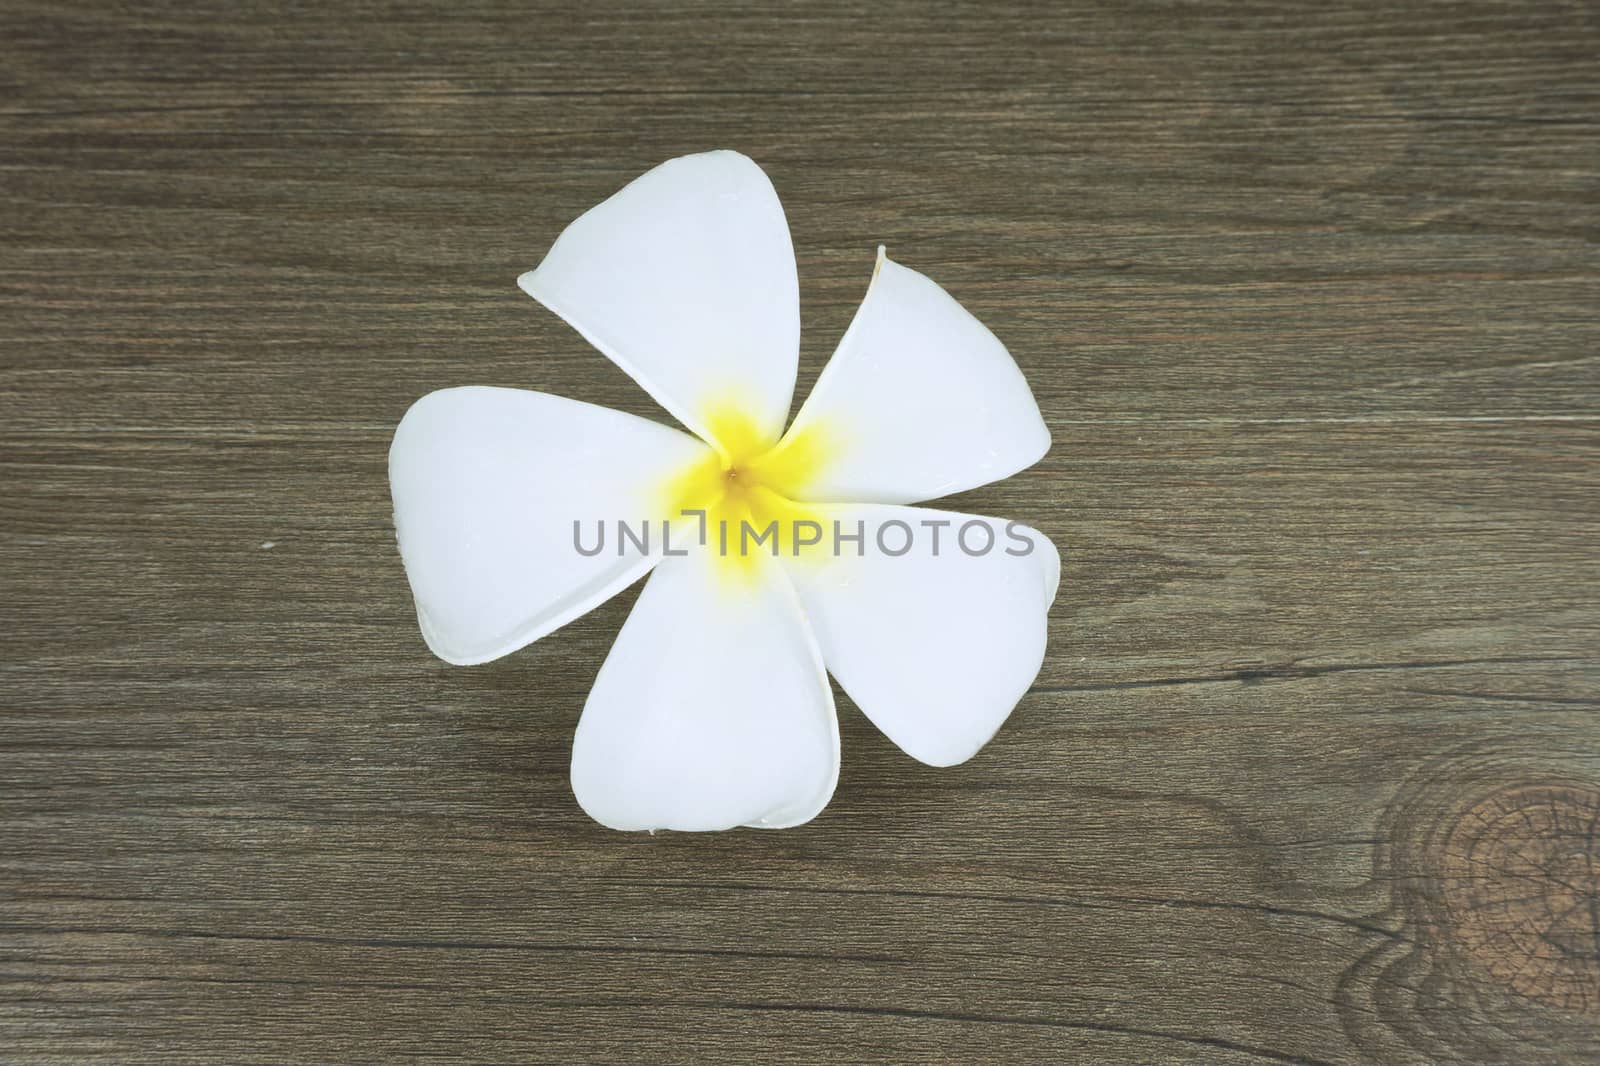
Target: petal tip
1044,441
724,153
944,759
454,656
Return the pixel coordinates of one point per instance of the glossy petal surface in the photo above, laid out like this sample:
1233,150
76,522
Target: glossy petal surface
487,483
686,280
919,401
935,645
712,710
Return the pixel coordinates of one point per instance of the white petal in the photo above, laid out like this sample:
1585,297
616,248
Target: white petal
686,280
919,401
936,646
487,484
712,710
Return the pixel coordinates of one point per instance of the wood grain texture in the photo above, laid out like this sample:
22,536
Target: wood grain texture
1308,295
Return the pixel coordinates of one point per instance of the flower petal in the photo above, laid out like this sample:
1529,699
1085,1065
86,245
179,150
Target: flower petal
686,280
712,710
487,484
919,401
935,645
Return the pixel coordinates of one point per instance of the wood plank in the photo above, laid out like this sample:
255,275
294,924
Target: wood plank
1311,773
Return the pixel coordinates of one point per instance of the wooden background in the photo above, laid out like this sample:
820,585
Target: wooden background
1308,295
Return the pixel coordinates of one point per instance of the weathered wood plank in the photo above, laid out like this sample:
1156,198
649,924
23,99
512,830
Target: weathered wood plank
1312,771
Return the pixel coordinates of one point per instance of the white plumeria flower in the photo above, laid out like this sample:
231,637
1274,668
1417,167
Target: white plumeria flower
713,709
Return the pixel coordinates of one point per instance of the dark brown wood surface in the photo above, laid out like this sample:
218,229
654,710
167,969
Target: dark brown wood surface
1309,295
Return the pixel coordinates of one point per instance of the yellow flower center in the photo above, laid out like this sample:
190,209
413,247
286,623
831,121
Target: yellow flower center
747,493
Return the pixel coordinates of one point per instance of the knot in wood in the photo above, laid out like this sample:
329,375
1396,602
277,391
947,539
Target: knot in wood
1519,877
